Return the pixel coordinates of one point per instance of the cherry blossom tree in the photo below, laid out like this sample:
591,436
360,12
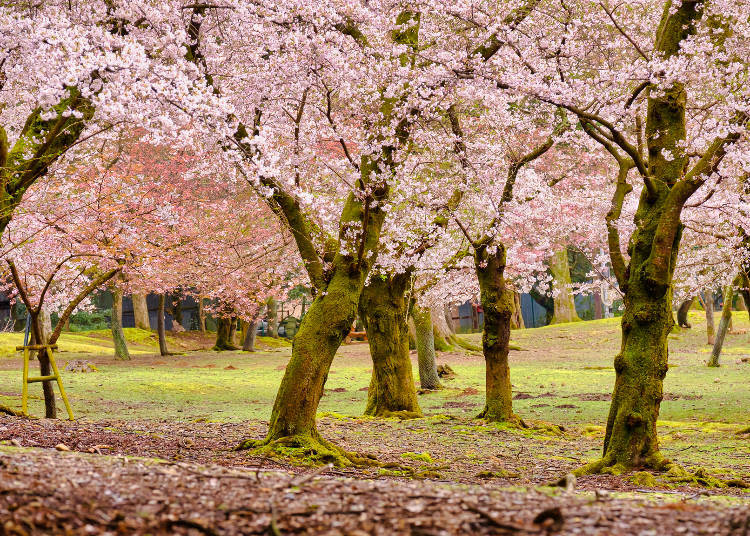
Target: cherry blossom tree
662,90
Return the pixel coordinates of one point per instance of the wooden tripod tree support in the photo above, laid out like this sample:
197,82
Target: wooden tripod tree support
55,376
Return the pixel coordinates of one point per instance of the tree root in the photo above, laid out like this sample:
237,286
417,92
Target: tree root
309,449
671,472
10,411
514,419
225,348
401,414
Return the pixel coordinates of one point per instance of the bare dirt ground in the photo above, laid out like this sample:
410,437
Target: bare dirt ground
43,491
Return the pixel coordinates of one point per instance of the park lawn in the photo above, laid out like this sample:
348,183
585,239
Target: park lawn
563,375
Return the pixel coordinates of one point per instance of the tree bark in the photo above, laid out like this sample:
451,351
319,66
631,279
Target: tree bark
248,342
428,376
232,335
565,307
320,334
160,328
38,336
498,304
223,333
118,337
140,311
726,318
517,319
708,306
598,305
630,439
448,314
201,314
682,313
384,310
442,334
272,307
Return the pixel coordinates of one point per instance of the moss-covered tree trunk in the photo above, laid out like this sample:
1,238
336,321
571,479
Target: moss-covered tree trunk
443,335
384,310
708,306
223,333
140,311
726,318
517,320
498,305
565,306
630,439
232,335
272,307
428,376
682,313
320,334
118,337
160,328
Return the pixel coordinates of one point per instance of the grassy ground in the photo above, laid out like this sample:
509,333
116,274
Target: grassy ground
562,375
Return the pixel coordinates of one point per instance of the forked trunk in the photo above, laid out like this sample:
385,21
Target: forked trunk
428,376
320,334
498,304
223,333
118,337
640,367
384,310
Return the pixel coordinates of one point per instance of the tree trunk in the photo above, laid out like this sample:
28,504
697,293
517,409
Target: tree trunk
428,376
498,305
161,330
39,335
640,368
412,333
708,305
320,334
448,314
118,337
565,307
516,321
442,334
201,314
140,311
248,343
726,318
223,333
232,331
384,310
598,305
272,307
682,313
